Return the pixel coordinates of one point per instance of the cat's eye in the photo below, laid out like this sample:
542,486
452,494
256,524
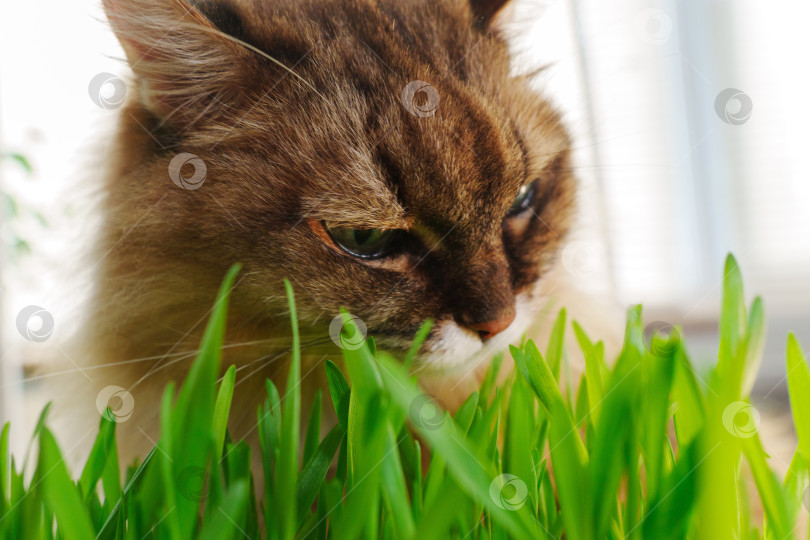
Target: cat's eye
362,243
524,199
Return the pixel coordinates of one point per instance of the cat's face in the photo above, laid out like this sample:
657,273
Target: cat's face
325,168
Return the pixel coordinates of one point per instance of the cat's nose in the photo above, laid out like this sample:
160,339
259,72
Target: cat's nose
490,329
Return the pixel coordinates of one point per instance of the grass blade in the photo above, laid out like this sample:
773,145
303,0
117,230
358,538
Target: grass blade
313,432
222,408
96,462
223,524
60,493
339,391
469,470
287,472
314,474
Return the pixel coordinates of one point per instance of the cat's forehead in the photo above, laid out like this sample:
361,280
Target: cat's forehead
465,160
411,123
360,37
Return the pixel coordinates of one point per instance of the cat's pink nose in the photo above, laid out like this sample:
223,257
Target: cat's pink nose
490,329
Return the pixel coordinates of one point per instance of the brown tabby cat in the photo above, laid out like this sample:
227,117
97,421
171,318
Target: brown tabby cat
297,138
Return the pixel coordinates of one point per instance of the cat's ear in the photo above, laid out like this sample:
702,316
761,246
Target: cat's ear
487,13
184,64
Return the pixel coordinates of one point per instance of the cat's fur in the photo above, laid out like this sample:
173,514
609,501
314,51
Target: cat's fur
295,108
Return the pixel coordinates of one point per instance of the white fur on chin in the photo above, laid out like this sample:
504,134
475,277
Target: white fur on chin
454,346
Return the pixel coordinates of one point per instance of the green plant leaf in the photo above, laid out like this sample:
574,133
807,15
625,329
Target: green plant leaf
770,492
222,407
314,473
418,340
96,463
60,493
339,391
798,378
395,493
287,472
554,349
468,469
223,523
4,470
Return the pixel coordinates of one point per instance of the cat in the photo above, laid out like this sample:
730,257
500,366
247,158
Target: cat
380,155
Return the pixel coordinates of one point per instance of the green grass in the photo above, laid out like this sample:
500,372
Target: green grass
641,448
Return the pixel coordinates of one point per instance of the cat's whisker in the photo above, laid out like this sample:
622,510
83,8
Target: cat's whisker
281,398
97,366
266,363
163,365
188,333
189,101
175,358
614,165
265,341
264,54
204,112
255,103
304,345
260,368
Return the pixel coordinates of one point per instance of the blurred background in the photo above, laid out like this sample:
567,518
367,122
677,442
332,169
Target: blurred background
690,137
690,130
